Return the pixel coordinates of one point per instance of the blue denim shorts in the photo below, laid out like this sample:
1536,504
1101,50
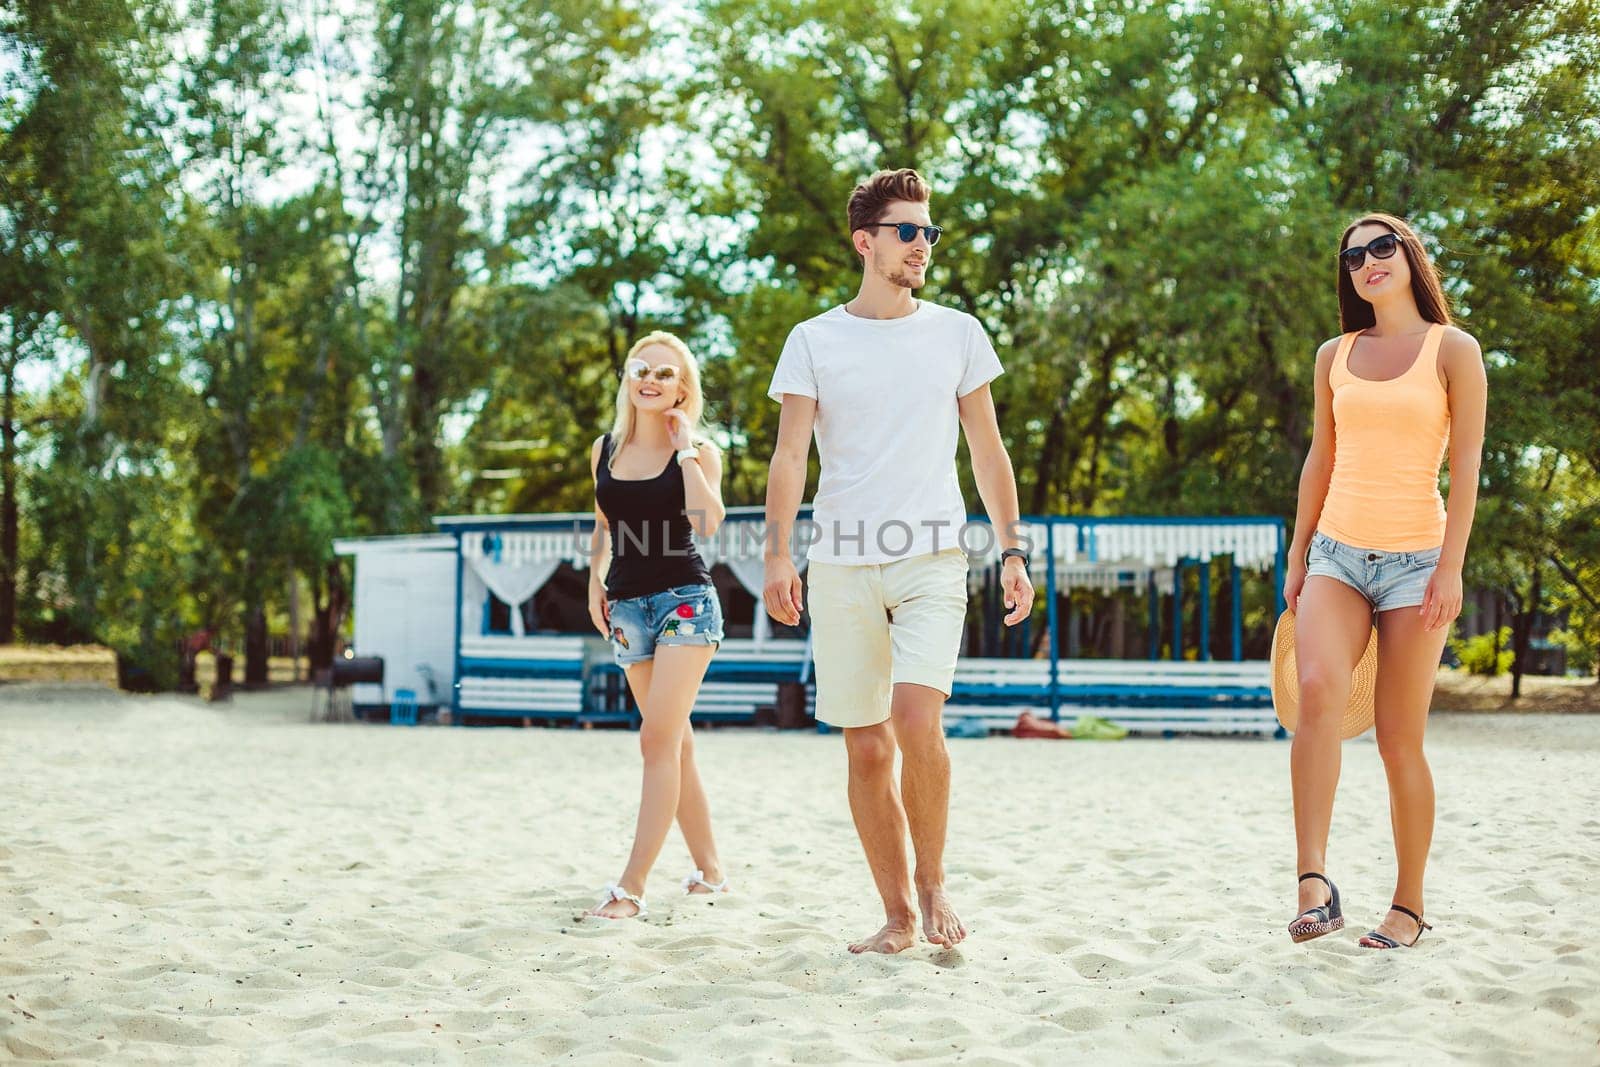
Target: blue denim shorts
682,615
1388,580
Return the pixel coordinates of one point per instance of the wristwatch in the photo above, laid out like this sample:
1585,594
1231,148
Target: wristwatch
1023,556
685,454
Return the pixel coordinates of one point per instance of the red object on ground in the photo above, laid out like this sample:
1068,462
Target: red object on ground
1028,725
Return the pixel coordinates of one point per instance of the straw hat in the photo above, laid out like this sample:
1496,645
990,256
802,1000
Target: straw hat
1286,682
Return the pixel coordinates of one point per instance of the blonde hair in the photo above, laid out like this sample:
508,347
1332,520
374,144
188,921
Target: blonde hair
693,403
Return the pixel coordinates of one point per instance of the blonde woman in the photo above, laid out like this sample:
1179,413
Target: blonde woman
657,479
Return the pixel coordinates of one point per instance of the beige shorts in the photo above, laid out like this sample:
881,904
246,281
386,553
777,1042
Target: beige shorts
876,625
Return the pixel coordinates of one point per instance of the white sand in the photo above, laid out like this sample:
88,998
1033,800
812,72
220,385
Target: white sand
189,884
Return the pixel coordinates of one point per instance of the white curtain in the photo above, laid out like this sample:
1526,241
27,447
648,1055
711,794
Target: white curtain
513,582
752,574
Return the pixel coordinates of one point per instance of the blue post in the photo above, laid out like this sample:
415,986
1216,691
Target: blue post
455,673
1280,568
1238,615
1055,642
991,636
1177,611
1155,615
1205,610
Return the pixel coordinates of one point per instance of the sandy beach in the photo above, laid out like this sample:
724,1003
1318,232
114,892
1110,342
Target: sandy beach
187,883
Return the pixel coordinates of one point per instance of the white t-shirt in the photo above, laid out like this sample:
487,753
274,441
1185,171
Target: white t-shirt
886,426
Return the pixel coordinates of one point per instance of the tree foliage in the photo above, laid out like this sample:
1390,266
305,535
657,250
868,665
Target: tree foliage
279,272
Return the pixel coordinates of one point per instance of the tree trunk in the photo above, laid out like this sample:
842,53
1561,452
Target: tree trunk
327,615
1522,630
1499,621
294,622
255,644
8,495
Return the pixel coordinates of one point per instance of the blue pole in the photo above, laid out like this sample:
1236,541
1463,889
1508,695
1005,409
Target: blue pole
1205,610
455,672
1177,611
1238,616
1155,614
991,608
1050,610
1280,568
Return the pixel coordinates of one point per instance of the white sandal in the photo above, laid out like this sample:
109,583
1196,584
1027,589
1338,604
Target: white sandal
616,892
699,878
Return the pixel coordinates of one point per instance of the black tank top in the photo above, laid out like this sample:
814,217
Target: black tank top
652,543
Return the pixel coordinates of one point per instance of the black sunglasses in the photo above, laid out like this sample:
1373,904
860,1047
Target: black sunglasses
1381,248
908,231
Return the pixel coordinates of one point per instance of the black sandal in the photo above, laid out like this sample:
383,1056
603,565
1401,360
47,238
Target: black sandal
1324,919
1387,942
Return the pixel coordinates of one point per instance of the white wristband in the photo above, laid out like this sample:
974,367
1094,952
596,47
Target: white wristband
685,454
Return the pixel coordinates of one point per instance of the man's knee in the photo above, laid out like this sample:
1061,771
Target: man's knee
919,719
871,750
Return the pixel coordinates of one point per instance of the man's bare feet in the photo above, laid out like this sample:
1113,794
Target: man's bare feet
896,936
940,924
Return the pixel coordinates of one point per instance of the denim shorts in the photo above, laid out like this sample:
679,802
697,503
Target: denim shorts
1388,580
682,615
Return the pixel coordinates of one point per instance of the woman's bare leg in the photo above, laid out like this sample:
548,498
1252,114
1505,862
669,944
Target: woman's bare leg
694,816
670,690
1332,627
1408,661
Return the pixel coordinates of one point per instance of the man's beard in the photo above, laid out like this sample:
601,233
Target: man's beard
904,278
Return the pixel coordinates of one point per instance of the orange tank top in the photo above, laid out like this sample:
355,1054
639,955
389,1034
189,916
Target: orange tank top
1389,440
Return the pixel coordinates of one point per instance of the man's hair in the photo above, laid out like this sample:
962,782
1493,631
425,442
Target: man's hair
868,200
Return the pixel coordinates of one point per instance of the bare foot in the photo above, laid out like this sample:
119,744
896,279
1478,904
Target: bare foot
940,924
894,937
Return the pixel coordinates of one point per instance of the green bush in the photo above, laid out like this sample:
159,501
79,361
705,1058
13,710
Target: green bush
1477,654
1580,653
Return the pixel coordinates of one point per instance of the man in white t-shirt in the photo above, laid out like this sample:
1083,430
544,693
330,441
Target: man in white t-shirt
887,382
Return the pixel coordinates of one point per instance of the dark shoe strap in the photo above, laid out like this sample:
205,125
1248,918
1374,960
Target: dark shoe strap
1389,942
1314,874
1403,910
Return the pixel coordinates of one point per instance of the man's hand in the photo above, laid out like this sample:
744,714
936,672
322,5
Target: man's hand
782,591
1018,590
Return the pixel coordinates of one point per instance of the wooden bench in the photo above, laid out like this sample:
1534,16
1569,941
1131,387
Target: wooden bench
539,676
1146,696
741,659
552,676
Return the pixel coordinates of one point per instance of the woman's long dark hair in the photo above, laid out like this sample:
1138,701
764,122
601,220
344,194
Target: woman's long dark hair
1356,314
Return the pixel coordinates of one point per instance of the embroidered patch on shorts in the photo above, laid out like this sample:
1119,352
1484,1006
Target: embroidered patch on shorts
685,611
670,628
686,629
620,637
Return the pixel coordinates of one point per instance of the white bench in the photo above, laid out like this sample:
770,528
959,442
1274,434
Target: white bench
553,648
515,697
1145,696
494,684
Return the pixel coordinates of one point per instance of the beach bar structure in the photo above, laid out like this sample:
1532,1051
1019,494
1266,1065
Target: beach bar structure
451,615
